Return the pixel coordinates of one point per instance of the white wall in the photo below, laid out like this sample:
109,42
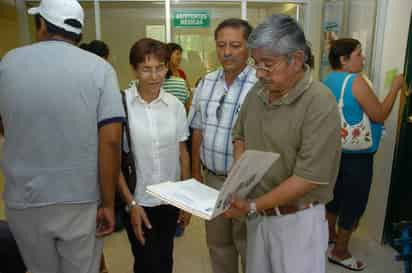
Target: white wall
392,35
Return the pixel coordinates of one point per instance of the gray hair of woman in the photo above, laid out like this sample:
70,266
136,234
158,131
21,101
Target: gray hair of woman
282,35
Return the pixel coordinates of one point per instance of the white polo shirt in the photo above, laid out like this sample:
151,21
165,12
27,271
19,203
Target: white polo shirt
156,130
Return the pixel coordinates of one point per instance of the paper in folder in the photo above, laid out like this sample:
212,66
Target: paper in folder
205,202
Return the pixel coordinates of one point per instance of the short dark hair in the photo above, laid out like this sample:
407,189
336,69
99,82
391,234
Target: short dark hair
341,48
55,30
145,47
97,47
172,47
235,23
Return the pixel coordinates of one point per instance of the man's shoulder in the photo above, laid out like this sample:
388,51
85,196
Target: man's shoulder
320,97
250,74
207,84
211,76
69,55
320,91
255,89
86,58
15,53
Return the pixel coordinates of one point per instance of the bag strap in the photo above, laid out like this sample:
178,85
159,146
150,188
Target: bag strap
126,126
342,91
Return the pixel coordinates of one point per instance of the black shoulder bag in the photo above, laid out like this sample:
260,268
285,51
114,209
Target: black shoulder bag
128,167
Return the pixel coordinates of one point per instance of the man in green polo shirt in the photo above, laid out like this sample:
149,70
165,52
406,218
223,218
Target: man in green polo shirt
289,113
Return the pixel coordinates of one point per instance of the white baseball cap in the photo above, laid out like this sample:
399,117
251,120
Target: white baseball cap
57,12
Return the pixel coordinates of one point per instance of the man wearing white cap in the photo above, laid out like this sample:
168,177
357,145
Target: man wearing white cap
62,116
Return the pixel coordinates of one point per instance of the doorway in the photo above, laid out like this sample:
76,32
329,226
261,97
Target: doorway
400,192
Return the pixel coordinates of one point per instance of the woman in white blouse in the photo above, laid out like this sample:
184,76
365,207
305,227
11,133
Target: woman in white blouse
158,129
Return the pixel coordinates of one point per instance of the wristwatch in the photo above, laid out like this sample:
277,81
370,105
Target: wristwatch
252,210
131,205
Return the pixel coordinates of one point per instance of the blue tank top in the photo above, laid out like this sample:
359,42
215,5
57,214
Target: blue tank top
352,109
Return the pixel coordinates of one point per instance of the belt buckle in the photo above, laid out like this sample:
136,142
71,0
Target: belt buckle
271,212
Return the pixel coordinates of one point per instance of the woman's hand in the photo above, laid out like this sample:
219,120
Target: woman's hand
184,218
398,82
138,218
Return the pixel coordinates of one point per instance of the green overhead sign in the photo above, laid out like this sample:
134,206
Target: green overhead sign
191,18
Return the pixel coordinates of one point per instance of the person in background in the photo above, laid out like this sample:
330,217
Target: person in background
177,87
353,184
216,104
62,114
97,47
176,70
158,131
175,60
290,113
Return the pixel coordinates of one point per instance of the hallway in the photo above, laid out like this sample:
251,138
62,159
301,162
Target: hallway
191,255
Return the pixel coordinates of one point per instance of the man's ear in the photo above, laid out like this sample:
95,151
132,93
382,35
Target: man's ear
41,32
298,60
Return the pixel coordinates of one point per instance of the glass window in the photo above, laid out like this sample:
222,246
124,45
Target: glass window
353,18
123,23
362,14
198,43
257,12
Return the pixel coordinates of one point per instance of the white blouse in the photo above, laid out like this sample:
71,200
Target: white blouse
156,130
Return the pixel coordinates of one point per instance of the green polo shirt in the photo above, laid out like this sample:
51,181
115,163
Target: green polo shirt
303,127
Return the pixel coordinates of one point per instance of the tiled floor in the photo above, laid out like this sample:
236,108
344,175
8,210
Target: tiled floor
191,254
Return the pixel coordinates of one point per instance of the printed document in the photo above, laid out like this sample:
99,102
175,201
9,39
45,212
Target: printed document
203,201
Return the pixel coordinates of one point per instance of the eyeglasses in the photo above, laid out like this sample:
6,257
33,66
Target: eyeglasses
270,68
147,72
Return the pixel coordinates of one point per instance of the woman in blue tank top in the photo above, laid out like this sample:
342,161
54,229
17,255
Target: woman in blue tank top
355,174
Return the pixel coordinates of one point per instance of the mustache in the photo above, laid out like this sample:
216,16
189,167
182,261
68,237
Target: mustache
229,58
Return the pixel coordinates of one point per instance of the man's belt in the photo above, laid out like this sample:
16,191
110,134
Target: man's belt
214,173
286,209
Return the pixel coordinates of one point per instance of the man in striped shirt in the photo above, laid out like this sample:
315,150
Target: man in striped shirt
216,104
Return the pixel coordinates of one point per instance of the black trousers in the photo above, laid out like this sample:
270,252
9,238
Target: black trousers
351,192
156,256
10,259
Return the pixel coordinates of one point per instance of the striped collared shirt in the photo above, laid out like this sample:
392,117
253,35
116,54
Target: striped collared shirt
214,110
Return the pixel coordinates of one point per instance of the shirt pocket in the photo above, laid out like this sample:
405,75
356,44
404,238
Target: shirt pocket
167,129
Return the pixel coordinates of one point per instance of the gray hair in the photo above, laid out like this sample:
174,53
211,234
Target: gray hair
281,34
